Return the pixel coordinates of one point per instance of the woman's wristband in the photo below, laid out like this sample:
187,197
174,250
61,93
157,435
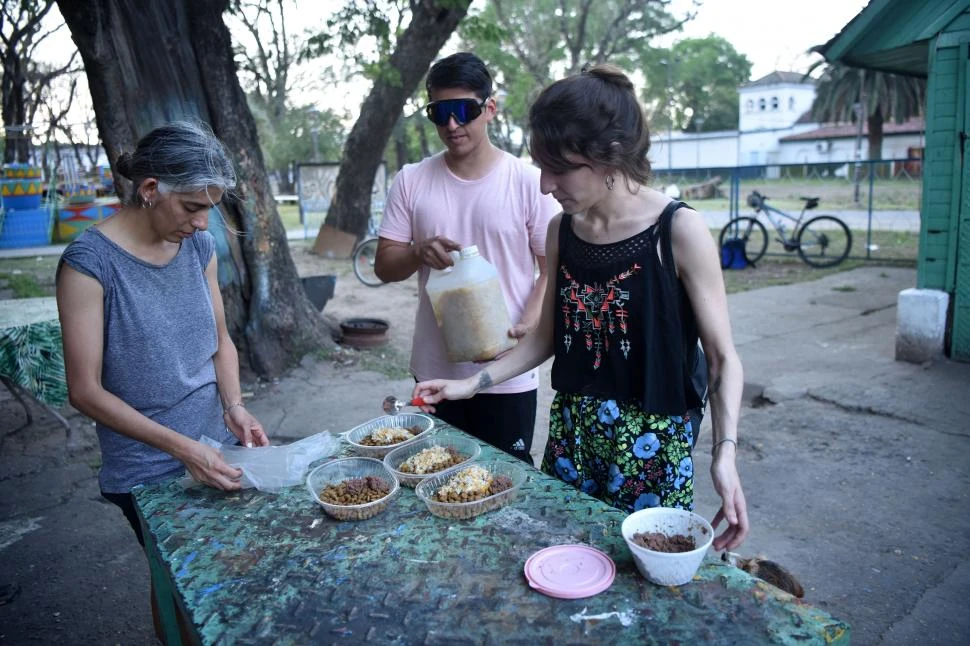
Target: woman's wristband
231,406
720,442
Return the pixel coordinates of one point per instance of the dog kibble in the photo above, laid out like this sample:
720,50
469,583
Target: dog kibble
658,542
355,491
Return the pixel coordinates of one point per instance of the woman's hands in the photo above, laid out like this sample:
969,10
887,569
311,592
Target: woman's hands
734,509
438,390
206,465
245,427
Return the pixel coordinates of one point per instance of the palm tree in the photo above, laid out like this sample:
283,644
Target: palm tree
883,96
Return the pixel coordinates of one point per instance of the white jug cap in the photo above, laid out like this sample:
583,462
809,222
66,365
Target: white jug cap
468,252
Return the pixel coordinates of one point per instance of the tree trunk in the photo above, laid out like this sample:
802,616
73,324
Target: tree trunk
400,145
17,145
423,139
875,123
155,61
432,22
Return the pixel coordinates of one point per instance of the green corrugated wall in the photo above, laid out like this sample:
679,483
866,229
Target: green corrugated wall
944,261
942,167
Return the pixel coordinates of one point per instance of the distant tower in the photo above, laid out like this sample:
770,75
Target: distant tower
774,101
768,106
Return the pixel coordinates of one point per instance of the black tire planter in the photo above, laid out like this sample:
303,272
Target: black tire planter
364,332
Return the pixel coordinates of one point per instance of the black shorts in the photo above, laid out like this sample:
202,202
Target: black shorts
506,421
127,503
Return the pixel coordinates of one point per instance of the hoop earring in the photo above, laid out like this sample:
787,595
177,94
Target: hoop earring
610,182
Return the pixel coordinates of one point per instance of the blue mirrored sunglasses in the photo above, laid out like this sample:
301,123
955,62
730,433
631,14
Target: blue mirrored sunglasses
463,110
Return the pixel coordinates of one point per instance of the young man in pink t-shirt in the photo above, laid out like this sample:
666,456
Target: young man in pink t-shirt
471,194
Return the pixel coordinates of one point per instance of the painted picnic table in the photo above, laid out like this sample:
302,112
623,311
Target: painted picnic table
253,568
31,354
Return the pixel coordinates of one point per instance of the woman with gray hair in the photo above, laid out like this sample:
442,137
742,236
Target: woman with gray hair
146,349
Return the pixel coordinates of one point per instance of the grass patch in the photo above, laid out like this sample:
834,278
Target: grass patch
844,288
290,214
836,194
23,285
773,271
891,246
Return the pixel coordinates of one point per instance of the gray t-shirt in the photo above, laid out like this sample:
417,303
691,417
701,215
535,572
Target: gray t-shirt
159,340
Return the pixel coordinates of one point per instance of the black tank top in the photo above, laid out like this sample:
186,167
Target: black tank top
624,327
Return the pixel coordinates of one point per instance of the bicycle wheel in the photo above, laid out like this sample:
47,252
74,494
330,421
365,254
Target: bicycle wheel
364,256
751,231
824,241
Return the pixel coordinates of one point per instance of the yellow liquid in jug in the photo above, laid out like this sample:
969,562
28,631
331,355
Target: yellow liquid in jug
474,322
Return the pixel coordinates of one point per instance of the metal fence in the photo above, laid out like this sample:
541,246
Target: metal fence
879,200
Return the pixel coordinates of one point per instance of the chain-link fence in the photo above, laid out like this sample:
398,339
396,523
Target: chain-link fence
879,200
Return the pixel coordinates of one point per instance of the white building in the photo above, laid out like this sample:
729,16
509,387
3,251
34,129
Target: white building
775,127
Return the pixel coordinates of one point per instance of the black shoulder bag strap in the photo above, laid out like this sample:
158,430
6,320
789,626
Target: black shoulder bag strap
696,362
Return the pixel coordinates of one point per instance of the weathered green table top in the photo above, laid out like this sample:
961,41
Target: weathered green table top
253,567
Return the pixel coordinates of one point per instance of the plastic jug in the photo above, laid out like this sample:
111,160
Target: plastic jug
470,308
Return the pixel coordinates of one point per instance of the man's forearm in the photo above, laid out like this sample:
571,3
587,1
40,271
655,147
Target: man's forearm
396,262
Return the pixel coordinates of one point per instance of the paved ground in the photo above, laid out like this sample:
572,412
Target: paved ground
855,468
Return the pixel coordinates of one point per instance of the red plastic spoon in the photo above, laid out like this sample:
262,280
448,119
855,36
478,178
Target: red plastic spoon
393,405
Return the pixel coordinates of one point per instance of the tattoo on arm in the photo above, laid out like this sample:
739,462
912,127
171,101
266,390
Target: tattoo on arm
484,380
715,387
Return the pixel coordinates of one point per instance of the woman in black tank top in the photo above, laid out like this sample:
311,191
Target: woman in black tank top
637,283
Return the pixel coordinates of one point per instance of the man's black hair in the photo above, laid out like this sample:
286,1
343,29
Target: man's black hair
462,70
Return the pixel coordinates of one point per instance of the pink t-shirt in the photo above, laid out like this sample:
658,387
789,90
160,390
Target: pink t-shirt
503,213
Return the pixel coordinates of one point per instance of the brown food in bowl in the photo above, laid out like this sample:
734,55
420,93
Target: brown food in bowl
355,491
659,542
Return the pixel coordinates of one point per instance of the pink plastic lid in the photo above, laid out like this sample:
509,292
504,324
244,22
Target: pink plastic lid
570,571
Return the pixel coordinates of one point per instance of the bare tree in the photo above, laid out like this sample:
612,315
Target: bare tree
21,31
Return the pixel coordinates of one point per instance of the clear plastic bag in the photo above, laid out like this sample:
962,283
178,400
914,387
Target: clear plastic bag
271,468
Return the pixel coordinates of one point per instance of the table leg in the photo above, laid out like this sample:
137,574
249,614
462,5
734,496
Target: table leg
19,392
162,589
11,388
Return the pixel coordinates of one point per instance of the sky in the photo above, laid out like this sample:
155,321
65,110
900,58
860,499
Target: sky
773,34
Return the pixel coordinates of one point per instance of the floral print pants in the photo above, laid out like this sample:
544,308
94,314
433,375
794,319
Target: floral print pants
625,457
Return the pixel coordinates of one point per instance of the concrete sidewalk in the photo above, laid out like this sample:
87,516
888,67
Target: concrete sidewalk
854,466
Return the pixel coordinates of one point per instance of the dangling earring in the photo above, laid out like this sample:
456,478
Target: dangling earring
609,182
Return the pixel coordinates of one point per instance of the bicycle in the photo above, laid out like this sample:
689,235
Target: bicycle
823,241
365,253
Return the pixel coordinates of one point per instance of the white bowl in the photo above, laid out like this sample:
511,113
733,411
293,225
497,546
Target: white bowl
666,568
336,471
466,446
406,420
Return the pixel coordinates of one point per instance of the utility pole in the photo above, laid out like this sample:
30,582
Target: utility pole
861,110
